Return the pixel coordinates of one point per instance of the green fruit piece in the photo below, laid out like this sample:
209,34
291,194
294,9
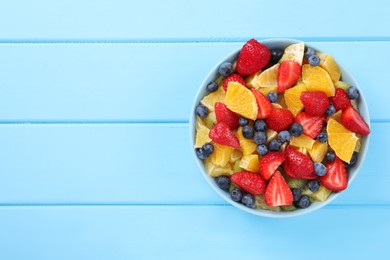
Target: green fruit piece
296,183
236,167
260,204
306,191
219,80
232,187
321,195
288,208
341,84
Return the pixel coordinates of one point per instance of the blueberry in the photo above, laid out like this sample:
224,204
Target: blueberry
225,69
248,132
353,92
260,138
330,110
276,55
223,182
303,202
212,86
319,169
274,145
313,185
272,97
314,60
262,149
248,200
322,137
296,129
236,194
208,149
201,155
242,121
353,160
330,156
260,125
284,136
309,52
201,111
297,193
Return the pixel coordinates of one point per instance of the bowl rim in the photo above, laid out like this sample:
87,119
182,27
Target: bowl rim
363,110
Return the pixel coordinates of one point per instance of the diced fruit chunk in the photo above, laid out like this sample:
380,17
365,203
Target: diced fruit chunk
269,77
321,194
215,171
233,78
250,162
278,193
328,63
351,119
248,146
336,177
318,151
270,163
317,79
250,182
260,204
221,155
302,141
202,135
341,84
294,52
241,100
340,100
221,134
252,80
288,75
341,140
210,100
292,98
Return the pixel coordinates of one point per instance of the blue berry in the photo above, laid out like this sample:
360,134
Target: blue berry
313,185
296,129
260,125
314,60
201,111
276,55
242,121
322,137
208,149
260,138
319,169
284,136
353,160
248,200
248,132
225,69
330,110
274,145
236,194
201,155
353,92
262,149
297,193
309,52
303,202
330,156
272,97
223,182
212,86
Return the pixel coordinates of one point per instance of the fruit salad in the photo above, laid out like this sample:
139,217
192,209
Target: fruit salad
279,129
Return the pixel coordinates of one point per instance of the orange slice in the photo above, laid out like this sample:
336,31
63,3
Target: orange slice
269,77
294,52
317,79
202,134
221,155
341,140
292,97
250,162
318,151
215,171
210,100
248,146
329,64
241,100
302,141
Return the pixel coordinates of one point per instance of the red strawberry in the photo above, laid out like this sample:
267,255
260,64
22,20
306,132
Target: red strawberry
340,99
253,57
312,125
336,177
224,114
278,193
288,74
315,102
351,119
250,182
280,119
298,165
221,134
263,104
270,162
233,78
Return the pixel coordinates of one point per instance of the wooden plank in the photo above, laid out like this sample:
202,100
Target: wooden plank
134,164
141,82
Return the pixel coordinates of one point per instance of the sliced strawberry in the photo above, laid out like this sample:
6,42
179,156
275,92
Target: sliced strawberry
221,134
336,177
265,107
250,182
351,119
270,162
280,119
315,102
298,165
340,99
253,57
312,125
224,114
278,193
233,78
288,75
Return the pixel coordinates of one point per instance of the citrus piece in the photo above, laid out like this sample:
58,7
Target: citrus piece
209,121
202,135
236,155
293,100
241,100
329,64
248,146
321,194
317,79
212,98
221,155
294,52
215,171
336,116
276,105
358,145
341,84
341,140
269,77
265,91
250,162
251,80
271,135
318,151
302,141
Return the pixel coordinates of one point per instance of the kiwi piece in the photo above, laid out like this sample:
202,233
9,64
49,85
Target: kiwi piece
260,204
288,208
296,183
321,195
236,167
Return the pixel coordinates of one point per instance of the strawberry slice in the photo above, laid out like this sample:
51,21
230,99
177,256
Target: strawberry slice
221,134
253,57
224,114
280,119
270,162
315,102
312,125
250,182
351,119
288,75
265,107
278,193
336,177
233,78
298,165
340,99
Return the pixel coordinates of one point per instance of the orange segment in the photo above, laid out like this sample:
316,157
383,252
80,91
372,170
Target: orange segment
341,140
294,52
358,144
250,162
248,146
215,171
336,116
236,155
293,100
269,77
318,151
317,79
329,64
265,91
202,134
271,135
210,100
241,100
251,80
221,155
302,141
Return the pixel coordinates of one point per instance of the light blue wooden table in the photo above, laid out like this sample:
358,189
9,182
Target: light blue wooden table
95,161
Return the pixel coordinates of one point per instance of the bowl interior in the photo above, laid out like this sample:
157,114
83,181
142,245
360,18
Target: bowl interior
213,74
